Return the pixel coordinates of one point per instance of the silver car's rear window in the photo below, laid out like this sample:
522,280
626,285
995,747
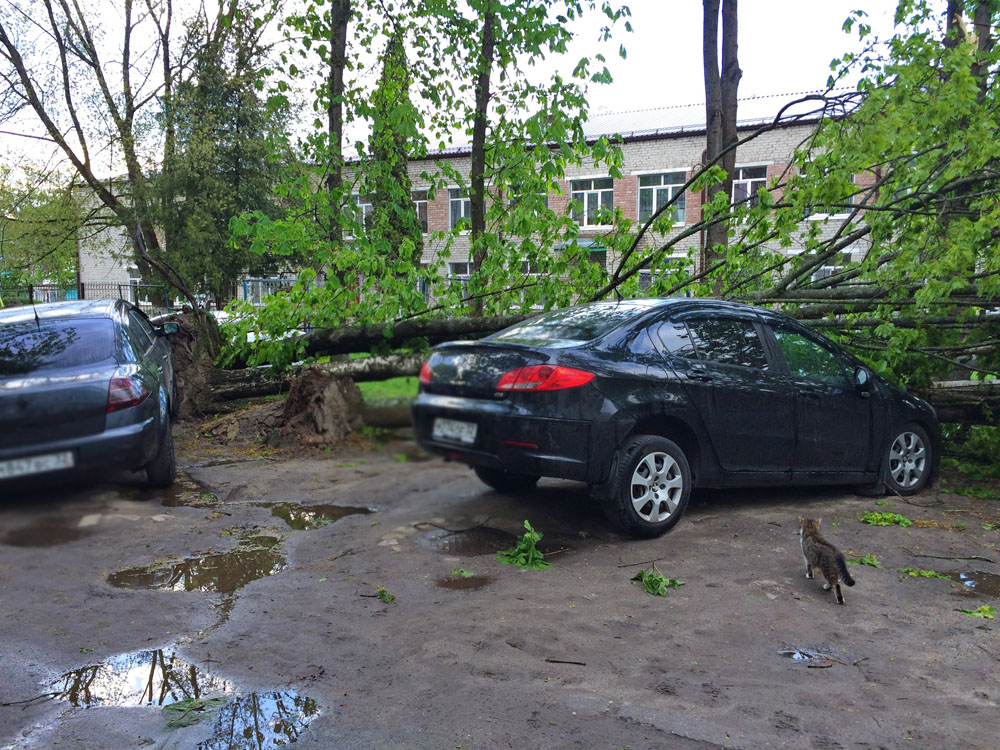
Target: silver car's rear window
52,344
571,326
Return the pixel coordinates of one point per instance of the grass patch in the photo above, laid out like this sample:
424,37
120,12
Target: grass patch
885,519
983,493
394,389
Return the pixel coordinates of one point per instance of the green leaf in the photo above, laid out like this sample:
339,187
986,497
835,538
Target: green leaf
885,519
525,555
192,711
985,611
655,583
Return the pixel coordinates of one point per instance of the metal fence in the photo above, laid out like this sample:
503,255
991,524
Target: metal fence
152,298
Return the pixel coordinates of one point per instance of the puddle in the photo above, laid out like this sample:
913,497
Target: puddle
301,517
48,531
482,540
185,491
975,580
141,678
263,720
458,583
802,656
223,572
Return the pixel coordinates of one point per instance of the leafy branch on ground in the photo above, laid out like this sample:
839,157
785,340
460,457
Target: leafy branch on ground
525,555
461,573
190,711
654,582
870,560
383,595
920,573
885,519
985,612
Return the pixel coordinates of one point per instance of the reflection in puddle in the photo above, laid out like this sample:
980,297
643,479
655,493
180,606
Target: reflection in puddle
482,540
48,531
300,517
136,679
263,720
223,572
185,491
460,583
976,580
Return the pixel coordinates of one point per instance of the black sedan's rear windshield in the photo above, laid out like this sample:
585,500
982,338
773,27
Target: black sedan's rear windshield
571,326
27,347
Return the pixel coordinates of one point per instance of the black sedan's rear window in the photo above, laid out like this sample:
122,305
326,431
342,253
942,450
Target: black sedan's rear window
571,326
27,347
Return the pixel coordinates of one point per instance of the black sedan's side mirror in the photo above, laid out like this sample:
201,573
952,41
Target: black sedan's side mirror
862,380
169,328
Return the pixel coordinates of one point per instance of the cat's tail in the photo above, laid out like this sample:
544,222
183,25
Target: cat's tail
845,575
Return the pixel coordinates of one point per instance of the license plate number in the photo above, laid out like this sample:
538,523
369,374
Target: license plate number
454,430
22,467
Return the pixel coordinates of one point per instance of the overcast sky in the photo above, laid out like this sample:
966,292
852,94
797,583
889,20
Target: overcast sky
785,46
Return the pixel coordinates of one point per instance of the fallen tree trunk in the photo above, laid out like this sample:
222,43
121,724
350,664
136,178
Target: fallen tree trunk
965,401
350,339
229,385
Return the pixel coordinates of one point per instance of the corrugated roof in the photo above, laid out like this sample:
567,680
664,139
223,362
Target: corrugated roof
687,118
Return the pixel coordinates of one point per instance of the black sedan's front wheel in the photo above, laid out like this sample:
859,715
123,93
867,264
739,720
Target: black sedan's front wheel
651,487
907,464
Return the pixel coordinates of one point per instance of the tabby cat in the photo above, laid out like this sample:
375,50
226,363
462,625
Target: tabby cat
822,555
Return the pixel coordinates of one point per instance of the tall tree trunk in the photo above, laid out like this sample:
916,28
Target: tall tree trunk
721,89
340,13
477,177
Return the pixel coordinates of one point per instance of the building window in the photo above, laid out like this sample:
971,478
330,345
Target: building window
594,200
746,182
656,190
460,207
458,274
833,265
537,201
420,203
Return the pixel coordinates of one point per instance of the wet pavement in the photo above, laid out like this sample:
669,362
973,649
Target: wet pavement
241,609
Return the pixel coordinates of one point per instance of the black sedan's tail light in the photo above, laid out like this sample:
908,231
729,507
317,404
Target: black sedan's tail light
543,378
425,374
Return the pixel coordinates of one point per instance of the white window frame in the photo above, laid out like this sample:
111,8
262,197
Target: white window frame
753,183
458,273
464,204
671,188
591,197
417,203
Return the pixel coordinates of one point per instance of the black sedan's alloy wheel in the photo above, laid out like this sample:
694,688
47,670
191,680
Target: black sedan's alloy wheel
907,464
651,486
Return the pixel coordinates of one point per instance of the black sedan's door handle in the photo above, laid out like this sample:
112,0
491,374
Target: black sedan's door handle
809,393
699,373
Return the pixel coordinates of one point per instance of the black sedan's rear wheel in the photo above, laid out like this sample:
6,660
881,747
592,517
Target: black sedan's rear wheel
908,460
651,487
506,481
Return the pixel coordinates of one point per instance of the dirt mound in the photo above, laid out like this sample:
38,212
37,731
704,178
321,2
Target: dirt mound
321,409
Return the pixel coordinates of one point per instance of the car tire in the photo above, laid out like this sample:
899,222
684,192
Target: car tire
161,471
506,481
653,469
174,404
908,460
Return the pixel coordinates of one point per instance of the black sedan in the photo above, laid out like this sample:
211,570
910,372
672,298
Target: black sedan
85,386
645,399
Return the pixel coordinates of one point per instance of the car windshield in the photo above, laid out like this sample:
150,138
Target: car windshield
51,344
570,327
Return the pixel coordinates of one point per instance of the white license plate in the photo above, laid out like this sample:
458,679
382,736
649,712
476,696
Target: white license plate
455,430
22,467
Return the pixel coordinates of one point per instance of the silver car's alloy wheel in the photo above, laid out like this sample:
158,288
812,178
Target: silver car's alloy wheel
907,459
657,487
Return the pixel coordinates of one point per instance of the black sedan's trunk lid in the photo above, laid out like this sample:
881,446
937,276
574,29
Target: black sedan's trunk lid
474,369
